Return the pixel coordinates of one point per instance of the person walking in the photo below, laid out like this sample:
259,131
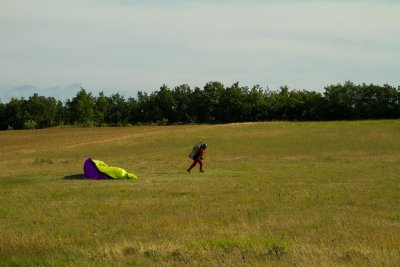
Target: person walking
198,158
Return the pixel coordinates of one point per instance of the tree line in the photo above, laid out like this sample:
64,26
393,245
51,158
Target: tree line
214,103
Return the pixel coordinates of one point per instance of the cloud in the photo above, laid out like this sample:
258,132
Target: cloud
138,45
60,92
20,91
63,92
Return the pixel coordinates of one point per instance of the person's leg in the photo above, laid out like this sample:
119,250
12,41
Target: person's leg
201,163
191,166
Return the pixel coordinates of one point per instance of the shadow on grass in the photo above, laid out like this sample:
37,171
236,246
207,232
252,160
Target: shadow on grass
75,177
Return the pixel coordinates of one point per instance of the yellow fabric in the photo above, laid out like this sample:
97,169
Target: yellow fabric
114,172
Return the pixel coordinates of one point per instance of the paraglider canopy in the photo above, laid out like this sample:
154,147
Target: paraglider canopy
91,172
97,169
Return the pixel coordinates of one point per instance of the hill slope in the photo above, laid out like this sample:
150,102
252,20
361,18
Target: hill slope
279,193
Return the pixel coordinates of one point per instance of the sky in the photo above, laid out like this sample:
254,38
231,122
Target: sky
55,47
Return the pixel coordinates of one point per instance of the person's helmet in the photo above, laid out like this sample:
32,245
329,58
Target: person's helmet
204,146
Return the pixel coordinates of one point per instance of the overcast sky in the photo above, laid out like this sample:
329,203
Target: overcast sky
54,47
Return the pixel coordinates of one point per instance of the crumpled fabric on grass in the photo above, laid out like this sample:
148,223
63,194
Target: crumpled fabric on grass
114,172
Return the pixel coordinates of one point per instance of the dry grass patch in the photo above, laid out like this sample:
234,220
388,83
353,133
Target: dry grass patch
282,194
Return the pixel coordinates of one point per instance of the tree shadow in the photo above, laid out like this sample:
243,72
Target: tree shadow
75,177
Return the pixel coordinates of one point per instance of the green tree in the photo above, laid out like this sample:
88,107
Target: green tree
61,114
212,94
256,99
3,124
81,108
382,101
341,101
133,109
40,111
119,113
101,109
280,104
147,108
232,105
166,103
181,108
198,107
312,106
14,113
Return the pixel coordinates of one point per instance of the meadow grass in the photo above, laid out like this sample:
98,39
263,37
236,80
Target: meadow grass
274,193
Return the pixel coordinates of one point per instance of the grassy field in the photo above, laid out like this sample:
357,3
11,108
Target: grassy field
277,193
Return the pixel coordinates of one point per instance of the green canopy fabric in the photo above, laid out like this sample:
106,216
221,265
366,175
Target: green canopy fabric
114,172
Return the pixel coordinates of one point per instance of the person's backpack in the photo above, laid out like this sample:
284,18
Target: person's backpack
195,149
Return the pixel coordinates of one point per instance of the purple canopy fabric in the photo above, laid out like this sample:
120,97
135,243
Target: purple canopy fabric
91,172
